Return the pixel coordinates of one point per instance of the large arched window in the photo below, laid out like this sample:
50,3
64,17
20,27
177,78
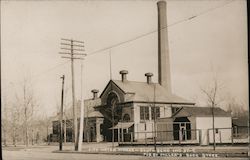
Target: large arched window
112,98
113,107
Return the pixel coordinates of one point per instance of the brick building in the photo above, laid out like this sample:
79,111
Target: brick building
130,111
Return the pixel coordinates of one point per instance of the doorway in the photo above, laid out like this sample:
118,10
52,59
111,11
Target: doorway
182,129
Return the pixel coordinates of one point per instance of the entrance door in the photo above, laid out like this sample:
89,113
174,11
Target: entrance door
182,129
183,132
176,128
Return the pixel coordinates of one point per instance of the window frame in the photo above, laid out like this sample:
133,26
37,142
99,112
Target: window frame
158,114
144,113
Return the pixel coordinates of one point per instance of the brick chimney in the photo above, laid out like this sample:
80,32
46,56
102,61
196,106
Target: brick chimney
149,75
95,93
124,75
163,50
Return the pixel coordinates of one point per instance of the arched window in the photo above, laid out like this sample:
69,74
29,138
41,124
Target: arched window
111,98
113,107
126,118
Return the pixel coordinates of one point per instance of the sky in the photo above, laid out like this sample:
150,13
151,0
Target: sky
214,42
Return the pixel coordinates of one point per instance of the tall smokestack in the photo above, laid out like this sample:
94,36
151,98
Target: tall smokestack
163,50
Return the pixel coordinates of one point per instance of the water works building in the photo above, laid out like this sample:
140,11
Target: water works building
139,112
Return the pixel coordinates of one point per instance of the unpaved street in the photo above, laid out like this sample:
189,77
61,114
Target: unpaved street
45,153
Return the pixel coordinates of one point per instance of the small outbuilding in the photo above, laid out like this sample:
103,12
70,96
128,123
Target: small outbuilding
200,120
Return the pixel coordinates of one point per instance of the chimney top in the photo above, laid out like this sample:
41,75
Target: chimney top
149,75
124,73
162,1
95,92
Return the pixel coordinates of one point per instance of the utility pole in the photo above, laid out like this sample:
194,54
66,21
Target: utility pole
214,144
65,129
87,124
61,116
82,115
32,126
113,122
154,122
75,47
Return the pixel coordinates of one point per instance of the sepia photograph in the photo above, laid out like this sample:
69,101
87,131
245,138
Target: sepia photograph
132,79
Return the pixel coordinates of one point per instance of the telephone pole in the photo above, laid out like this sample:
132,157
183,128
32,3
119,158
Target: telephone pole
155,134
61,116
113,102
82,115
73,48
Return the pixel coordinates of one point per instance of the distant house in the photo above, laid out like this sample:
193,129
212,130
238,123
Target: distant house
240,127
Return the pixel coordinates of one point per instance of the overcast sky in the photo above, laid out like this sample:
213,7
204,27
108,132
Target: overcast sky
213,42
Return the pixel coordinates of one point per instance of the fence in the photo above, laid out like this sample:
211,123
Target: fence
161,137
234,135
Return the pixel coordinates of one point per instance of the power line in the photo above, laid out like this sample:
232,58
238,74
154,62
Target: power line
38,75
135,38
151,32
42,73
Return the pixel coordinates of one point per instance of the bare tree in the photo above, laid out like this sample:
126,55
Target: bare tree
28,108
4,124
4,129
15,116
212,96
236,108
11,119
46,122
15,119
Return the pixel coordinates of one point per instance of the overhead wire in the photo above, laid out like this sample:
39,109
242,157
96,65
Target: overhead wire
151,32
135,38
38,75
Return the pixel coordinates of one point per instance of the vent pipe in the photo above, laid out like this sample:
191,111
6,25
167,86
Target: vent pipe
149,79
95,93
124,75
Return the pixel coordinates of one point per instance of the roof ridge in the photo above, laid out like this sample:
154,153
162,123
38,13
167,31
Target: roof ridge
135,81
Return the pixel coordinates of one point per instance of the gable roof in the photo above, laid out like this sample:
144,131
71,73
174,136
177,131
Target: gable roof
201,112
142,91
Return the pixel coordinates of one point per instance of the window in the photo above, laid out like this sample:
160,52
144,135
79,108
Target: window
155,110
144,113
126,118
235,131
